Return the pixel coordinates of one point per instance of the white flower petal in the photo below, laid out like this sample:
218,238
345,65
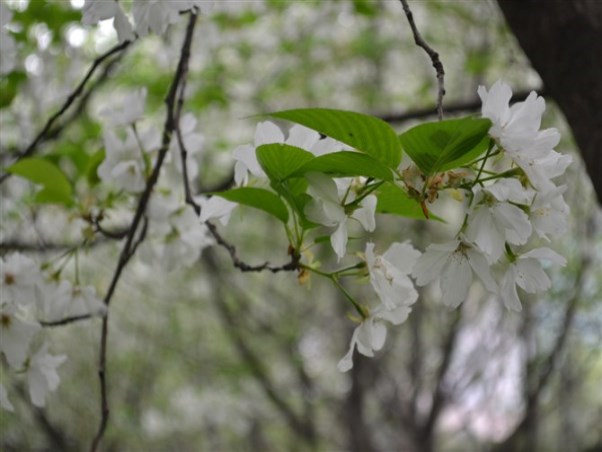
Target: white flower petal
365,214
481,267
456,279
267,132
338,240
430,265
530,276
483,230
302,137
545,254
508,290
515,222
402,256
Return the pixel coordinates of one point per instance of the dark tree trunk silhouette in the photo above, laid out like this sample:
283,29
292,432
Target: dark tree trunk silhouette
563,41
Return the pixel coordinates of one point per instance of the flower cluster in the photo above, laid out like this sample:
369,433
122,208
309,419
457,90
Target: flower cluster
509,210
512,203
150,16
31,295
175,237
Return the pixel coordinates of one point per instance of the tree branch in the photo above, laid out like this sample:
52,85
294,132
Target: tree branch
41,136
433,55
458,107
131,243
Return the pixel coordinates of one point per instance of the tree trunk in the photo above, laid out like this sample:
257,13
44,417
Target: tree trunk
563,41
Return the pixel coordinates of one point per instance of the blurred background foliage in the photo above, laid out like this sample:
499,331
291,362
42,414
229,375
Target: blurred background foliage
214,359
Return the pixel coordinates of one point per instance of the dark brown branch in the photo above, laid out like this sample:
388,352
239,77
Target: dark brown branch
433,55
41,136
66,320
16,245
78,110
459,107
131,242
292,265
242,266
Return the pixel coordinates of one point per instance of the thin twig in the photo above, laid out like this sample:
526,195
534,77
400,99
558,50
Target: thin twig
292,265
459,107
66,320
131,242
68,102
433,55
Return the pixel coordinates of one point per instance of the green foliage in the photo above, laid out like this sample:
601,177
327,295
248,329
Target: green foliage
279,161
54,14
395,201
257,198
346,164
9,87
365,7
362,132
444,145
91,169
56,186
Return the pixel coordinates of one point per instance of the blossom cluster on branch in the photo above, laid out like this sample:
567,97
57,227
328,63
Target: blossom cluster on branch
501,170
148,16
33,295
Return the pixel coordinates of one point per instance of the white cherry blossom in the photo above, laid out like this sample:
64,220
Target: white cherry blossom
526,273
126,111
514,126
61,299
42,376
16,334
154,16
369,337
215,207
496,219
123,165
455,263
176,237
516,129
549,213
97,10
389,275
19,275
326,209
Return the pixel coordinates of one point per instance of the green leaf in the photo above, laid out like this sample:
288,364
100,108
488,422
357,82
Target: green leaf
346,164
257,198
395,201
9,87
74,152
279,161
92,169
365,133
56,186
444,145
